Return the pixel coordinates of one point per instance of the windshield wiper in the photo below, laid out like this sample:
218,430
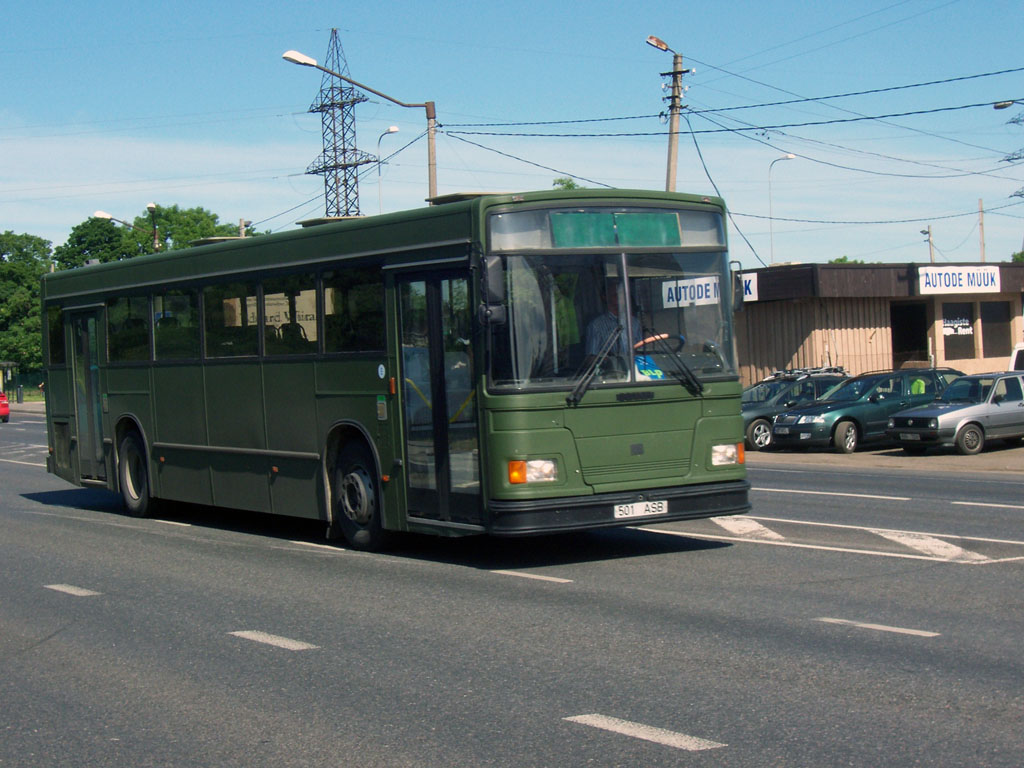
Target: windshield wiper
588,375
683,373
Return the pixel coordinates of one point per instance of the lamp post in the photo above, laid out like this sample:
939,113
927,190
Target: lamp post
308,61
151,207
380,205
674,107
931,247
771,218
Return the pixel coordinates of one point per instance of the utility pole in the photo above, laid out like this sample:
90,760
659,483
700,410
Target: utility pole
981,227
675,106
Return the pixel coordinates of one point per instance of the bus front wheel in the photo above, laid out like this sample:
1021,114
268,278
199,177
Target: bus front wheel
356,498
133,475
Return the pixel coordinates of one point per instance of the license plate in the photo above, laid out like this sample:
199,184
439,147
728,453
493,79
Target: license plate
641,509
782,430
909,436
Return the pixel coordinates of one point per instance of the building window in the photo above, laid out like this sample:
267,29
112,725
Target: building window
995,328
958,330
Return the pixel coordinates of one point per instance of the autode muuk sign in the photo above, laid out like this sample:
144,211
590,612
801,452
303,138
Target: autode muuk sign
961,279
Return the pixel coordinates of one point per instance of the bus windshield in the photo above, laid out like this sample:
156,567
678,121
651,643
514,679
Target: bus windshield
566,313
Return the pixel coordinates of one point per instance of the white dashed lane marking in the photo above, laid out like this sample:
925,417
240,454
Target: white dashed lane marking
69,589
275,640
880,627
645,732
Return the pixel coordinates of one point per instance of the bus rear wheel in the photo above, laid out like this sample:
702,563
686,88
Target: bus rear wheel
356,502
133,476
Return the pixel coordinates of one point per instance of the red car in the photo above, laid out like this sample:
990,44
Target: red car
5,408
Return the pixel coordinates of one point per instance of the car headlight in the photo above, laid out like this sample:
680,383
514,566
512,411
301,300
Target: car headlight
933,423
891,424
532,471
816,419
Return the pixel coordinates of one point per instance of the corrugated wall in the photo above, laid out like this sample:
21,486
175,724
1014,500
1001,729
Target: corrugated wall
807,333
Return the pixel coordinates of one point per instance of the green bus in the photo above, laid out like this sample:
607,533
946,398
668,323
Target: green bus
468,367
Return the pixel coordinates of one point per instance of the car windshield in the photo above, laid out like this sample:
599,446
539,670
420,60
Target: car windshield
850,390
764,392
968,390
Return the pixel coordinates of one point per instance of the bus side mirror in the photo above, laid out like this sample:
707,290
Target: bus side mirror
492,310
737,286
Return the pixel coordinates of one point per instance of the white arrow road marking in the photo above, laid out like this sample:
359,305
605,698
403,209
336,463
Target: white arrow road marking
929,545
744,526
645,732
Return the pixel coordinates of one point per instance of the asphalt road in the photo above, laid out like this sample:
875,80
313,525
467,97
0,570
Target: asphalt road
861,615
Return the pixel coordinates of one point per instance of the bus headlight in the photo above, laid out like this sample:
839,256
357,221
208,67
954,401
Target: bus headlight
532,471
727,454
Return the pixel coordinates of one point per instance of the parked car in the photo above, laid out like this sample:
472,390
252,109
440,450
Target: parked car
5,408
858,409
971,410
763,401
1016,359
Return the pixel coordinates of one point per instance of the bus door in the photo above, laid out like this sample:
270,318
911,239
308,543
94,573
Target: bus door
442,457
85,359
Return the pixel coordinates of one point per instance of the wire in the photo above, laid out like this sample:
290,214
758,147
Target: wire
717,192
529,162
883,221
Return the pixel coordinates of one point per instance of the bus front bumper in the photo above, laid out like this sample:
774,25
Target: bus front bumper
607,510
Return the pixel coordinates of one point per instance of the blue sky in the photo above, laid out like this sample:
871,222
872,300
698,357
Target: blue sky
111,105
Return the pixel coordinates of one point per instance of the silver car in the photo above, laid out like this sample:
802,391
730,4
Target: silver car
970,411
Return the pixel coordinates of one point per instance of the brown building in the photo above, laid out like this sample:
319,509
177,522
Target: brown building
868,317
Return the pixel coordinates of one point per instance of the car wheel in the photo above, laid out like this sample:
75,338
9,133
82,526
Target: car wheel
846,438
356,498
759,434
133,475
970,439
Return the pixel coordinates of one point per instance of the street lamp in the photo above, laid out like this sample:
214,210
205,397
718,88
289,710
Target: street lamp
391,129
674,107
771,218
151,207
308,61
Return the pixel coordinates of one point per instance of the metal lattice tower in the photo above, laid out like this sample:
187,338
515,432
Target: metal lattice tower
340,160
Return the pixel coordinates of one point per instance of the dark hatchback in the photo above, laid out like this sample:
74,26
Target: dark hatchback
779,392
858,410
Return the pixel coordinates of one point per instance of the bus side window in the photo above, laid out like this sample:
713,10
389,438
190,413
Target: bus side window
354,310
230,319
176,325
128,328
55,335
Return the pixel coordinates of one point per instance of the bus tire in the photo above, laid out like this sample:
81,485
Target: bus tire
133,476
356,501
846,438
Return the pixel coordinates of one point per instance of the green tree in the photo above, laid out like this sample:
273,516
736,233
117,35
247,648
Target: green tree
845,260
1018,256
178,227
565,182
95,239
104,240
23,260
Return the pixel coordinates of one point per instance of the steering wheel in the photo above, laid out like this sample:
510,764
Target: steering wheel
680,341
